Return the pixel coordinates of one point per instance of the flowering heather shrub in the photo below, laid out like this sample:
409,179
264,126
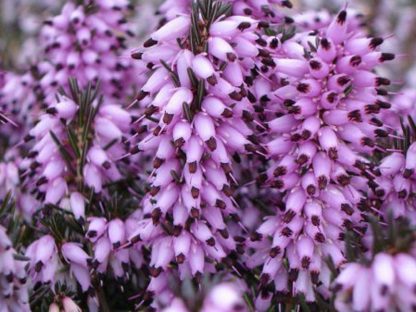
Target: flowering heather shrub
200,113
68,130
263,165
321,106
86,42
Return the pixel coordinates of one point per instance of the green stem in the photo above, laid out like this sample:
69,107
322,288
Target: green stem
101,299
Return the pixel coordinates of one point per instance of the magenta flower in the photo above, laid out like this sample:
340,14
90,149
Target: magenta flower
197,96
386,284
44,261
14,294
100,32
383,278
18,103
49,171
107,238
322,107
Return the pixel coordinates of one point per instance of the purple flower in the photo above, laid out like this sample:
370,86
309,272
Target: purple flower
99,31
13,279
386,284
18,104
321,106
48,171
197,97
107,238
44,260
392,188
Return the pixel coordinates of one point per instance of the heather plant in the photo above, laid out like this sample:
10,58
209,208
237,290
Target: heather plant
321,108
379,275
198,113
73,171
233,156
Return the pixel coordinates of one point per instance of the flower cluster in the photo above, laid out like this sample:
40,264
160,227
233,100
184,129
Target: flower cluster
387,284
321,108
47,266
69,131
107,238
197,96
394,184
18,105
243,158
44,261
383,278
87,42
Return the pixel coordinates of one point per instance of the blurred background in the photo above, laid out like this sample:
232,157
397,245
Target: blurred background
392,19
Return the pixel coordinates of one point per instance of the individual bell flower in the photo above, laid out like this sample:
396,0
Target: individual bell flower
44,260
9,173
78,261
69,305
224,297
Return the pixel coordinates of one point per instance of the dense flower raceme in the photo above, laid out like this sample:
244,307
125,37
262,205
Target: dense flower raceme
88,42
198,101
229,92
321,106
13,280
53,169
